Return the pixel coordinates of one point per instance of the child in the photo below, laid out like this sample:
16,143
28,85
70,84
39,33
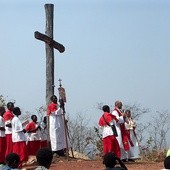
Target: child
12,162
44,158
2,136
110,160
33,131
18,137
167,163
110,143
8,116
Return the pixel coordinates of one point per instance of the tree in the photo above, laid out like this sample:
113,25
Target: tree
2,101
159,129
79,132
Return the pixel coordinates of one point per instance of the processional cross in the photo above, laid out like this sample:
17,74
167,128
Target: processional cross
50,45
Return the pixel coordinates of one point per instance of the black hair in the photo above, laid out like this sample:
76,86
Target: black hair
12,160
45,119
106,108
9,104
44,157
167,162
2,110
16,110
33,116
52,97
109,160
127,111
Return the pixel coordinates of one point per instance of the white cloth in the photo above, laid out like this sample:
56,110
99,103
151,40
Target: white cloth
17,130
8,130
107,130
119,137
57,131
33,136
44,132
134,151
2,124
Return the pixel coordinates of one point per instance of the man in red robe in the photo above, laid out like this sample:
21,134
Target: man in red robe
110,143
8,116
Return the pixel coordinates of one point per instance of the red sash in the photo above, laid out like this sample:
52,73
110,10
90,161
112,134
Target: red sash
125,138
109,117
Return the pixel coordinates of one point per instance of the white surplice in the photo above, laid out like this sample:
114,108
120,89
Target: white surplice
119,137
134,151
57,131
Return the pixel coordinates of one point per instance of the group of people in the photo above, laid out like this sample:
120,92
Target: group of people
25,139
44,158
119,135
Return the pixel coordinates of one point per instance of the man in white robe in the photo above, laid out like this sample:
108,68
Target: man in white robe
120,127
59,139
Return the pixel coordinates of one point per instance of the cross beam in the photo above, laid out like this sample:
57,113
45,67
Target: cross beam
49,41
50,44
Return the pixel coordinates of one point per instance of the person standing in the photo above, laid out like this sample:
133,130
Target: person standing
121,130
57,128
18,137
2,136
33,140
134,151
110,143
8,116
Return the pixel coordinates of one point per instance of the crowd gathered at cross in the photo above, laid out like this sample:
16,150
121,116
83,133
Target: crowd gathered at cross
19,140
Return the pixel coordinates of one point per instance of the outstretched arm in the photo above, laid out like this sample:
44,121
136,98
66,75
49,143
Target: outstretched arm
122,164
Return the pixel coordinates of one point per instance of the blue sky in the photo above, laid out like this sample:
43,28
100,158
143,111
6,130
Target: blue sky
115,49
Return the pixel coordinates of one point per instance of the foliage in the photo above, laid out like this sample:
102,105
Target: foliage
41,112
79,132
2,101
136,110
98,141
159,129
153,155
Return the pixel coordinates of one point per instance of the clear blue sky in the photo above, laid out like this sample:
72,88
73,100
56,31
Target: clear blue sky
115,49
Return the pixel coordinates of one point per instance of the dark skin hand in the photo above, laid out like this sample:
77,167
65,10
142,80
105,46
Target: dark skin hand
24,130
9,125
121,163
2,128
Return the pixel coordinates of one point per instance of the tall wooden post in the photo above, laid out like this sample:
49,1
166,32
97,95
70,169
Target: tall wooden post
49,10
50,44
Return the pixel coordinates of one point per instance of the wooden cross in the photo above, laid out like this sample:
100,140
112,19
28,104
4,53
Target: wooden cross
50,45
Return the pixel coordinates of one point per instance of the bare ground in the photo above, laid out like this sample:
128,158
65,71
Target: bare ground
79,164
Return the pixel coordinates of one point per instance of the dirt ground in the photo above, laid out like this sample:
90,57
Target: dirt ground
79,164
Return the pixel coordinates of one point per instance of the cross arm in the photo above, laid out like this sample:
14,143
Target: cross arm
49,41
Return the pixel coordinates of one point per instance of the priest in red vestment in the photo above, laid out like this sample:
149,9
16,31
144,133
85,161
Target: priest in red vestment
122,137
